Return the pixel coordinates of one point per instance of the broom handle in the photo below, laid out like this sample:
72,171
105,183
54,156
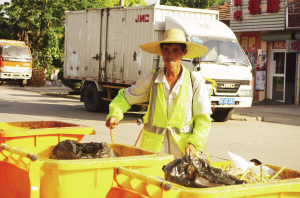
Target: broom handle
111,136
207,154
139,136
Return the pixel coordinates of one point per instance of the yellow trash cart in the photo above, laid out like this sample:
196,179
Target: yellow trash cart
146,183
41,133
28,172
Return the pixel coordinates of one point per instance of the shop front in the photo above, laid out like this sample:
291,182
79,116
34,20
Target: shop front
270,36
283,72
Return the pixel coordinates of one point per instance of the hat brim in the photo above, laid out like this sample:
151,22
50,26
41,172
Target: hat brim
193,49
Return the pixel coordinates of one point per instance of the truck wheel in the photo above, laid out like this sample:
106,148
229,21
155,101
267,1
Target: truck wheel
93,99
222,115
22,83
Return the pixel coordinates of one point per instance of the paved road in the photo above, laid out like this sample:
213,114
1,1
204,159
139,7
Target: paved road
276,141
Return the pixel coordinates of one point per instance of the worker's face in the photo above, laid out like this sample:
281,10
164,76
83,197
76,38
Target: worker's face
172,55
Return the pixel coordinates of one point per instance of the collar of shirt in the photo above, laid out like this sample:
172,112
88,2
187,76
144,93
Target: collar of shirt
161,78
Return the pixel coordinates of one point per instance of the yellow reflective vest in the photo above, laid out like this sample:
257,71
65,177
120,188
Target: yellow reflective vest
157,123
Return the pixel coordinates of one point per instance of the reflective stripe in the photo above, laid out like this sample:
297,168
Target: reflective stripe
148,126
154,129
162,131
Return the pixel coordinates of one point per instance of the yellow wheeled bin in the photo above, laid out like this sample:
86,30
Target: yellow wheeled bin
28,172
41,133
146,182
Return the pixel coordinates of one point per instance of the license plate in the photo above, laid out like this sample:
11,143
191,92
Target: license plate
226,100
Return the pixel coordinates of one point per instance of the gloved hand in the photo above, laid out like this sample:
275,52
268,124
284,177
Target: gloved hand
190,150
112,122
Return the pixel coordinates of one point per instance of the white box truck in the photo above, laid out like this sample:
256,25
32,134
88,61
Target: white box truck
102,50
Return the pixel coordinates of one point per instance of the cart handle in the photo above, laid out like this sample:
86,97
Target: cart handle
145,178
30,156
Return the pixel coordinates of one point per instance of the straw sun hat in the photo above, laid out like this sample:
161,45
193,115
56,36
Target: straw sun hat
175,35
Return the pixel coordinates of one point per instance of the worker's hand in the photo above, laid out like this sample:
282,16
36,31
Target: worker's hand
112,122
190,150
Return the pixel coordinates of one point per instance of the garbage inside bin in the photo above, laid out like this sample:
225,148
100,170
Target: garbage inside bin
70,149
192,171
250,171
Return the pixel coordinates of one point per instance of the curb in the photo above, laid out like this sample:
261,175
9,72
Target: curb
246,118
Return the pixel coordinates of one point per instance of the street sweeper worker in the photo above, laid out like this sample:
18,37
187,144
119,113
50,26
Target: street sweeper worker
178,116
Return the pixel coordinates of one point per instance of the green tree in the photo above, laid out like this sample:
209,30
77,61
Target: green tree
40,23
192,3
6,27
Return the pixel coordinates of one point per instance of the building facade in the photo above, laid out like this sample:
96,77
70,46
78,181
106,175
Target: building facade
269,33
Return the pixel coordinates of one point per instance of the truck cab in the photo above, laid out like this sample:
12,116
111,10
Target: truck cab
225,63
15,61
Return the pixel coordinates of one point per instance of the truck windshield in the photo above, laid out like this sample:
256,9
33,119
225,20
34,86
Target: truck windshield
16,53
222,50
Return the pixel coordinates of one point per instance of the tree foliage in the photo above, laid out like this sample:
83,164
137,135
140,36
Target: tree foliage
5,30
192,3
40,23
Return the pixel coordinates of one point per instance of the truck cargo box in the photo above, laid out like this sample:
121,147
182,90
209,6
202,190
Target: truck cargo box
103,44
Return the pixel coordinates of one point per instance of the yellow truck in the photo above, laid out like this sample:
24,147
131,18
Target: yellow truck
15,61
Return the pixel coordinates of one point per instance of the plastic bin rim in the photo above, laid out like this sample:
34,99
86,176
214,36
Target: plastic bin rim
274,187
141,161
48,131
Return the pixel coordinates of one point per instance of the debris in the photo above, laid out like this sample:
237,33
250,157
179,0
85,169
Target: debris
192,171
70,149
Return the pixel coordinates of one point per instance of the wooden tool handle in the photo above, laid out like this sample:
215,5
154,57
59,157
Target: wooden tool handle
145,178
13,150
111,136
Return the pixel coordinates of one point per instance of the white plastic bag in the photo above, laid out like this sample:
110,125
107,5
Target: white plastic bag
240,162
243,164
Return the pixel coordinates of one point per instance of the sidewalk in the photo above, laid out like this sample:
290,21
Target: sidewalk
65,92
272,111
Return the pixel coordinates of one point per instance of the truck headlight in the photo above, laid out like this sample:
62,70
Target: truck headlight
245,93
28,71
5,70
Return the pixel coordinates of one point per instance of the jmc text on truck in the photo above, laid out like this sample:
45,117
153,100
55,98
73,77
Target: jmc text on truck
102,50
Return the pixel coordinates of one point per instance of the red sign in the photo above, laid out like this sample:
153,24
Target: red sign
142,18
254,6
237,2
279,45
272,6
249,42
294,20
238,15
293,46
